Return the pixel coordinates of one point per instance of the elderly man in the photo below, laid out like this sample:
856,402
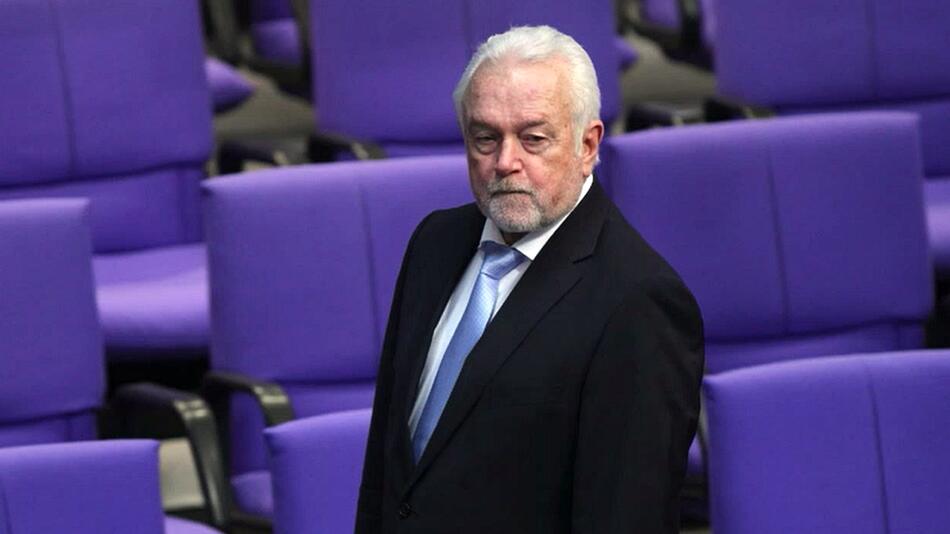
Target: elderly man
542,363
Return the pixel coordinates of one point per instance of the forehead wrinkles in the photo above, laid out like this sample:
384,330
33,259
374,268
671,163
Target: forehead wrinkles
519,88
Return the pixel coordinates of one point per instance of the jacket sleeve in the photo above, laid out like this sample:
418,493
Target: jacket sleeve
638,413
369,508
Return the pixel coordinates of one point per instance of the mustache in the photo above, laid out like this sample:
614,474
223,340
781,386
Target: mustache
499,187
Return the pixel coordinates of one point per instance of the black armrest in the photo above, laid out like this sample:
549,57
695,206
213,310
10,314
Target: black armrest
643,115
136,406
324,146
721,108
270,397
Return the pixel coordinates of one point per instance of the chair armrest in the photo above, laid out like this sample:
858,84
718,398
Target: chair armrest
136,406
721,108
225,35
270,397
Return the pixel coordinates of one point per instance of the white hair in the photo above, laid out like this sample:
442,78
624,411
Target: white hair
539,43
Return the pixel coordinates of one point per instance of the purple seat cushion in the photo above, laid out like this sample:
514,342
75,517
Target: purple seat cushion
317,464
80,426
861,431
50,344
228,88
82,488
155,299
277,40
253,493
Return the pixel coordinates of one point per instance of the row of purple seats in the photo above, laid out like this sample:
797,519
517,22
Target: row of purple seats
806,56
85,488
768,222
120,117
383,73
799,237
53,379
845,444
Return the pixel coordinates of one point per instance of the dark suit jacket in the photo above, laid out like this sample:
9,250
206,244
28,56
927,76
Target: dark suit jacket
575,410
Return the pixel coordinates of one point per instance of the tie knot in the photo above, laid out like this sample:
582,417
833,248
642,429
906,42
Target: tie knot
499,259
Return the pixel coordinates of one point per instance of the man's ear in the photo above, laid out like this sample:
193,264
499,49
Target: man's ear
590,145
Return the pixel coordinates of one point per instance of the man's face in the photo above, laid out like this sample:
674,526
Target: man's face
524,165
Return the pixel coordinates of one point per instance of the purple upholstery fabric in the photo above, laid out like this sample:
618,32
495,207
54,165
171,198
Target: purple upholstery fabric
855,54
628,54
175,525
228,88
79,426
410,56
49,337
317,463
109,101
348,73
937,194
130,212
277,40
768,223
252,493
853,50
75,107
860,446
314,317
171,280
81,488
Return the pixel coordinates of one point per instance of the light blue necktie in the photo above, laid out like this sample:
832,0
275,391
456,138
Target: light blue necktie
499,260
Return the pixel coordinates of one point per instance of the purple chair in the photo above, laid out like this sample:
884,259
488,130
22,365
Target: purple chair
807,56
303,263
228,88
317,465
110,102
85,488
845,444
274,32
51,344
799,237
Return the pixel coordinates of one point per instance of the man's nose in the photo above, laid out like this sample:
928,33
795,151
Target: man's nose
509,157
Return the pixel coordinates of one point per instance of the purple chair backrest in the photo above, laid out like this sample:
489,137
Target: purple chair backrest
81,488
663,13
107,100
266,10
806,55
846,444
302,264
51,356
394,82
798,236
317,465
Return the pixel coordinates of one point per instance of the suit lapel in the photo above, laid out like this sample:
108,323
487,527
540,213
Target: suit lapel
553,273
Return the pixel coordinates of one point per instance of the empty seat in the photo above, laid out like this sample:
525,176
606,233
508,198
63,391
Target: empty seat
808,56
303,263
52,364
110,102
847,444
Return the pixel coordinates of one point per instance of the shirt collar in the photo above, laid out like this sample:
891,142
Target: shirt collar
532,243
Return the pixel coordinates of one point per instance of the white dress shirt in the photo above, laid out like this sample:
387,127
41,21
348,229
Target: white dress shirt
529,245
